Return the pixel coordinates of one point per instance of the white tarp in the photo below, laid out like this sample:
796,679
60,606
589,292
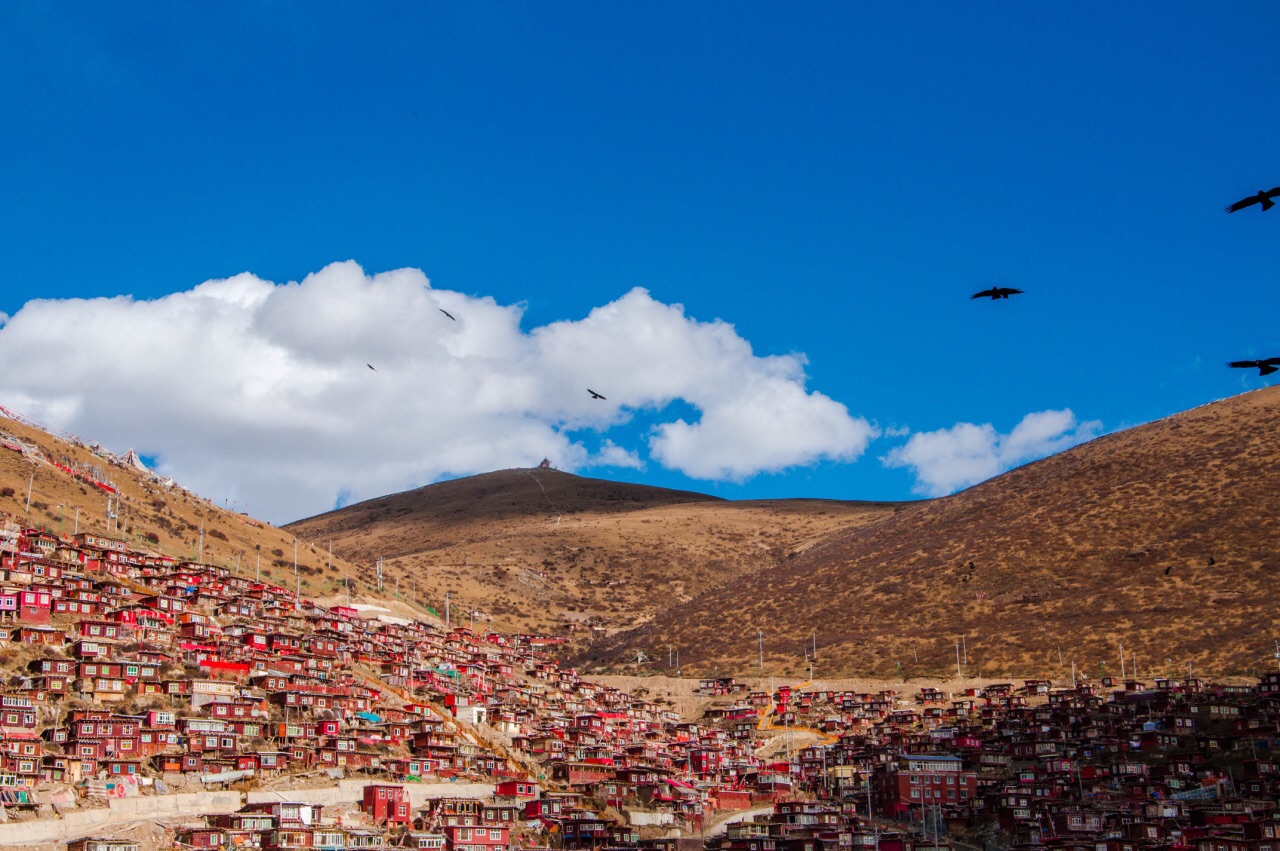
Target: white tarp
135,462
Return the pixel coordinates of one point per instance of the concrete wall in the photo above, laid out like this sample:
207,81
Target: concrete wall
77,823
639,819
350,791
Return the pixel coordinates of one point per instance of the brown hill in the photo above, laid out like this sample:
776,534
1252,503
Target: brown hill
165,519
1104,545
530,549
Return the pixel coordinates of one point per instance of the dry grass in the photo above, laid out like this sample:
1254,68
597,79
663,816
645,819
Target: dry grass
1070,552
533,549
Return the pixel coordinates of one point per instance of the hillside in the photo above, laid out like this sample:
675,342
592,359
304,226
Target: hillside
160,517
532,549
1106,544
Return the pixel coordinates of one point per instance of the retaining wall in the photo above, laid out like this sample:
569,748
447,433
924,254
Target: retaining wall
350,791
75,824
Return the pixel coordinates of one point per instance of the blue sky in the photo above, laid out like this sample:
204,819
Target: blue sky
828,179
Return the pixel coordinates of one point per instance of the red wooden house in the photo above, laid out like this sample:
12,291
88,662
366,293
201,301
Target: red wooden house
386,803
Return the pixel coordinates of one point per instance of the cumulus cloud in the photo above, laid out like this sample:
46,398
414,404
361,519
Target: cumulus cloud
613,455
259,391
949,459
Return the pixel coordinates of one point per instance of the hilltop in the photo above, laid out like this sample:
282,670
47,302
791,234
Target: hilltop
532,548
1107,544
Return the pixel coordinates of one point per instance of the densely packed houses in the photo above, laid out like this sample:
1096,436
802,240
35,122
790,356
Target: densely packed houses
130,672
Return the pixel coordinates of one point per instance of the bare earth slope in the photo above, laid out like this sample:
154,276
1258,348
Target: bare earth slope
532,549
1106,544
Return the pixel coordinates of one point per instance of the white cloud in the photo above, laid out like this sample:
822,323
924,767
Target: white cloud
262,392
949,459
613,455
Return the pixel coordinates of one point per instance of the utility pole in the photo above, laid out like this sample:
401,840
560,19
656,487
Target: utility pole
257,576
199,544
965,647
1122,673
871,815
76,530
760,643
31,481
958,674
446,610
297,580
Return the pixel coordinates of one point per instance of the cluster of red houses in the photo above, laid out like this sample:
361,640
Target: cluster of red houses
137,665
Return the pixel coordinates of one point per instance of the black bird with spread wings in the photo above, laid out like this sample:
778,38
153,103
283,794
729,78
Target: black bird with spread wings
996,292
1264,367
448,314
594,394
1263,197
370,366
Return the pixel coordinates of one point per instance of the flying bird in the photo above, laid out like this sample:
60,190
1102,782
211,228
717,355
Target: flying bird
1264,367
1263,197
594,394
996,292
370,366
448,314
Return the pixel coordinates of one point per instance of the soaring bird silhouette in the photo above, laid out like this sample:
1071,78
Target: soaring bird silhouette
594,394
996,292
1263,197
1264,367
448,314
370,366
